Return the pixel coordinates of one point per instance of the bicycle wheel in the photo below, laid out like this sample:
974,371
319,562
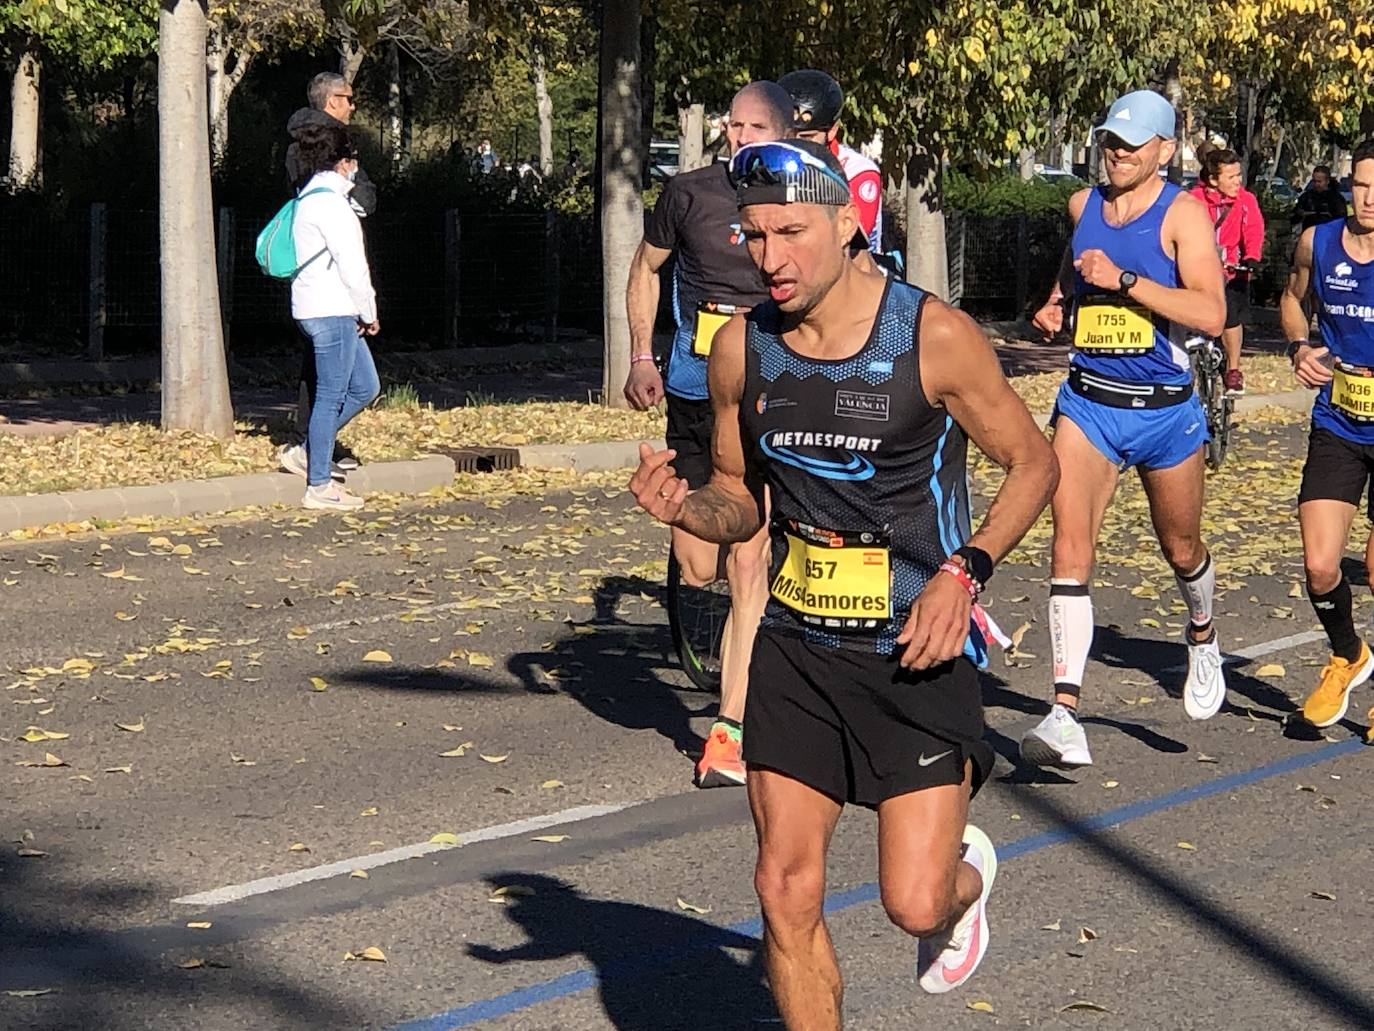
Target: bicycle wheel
696,617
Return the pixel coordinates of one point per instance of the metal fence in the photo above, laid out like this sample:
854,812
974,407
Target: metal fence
89,281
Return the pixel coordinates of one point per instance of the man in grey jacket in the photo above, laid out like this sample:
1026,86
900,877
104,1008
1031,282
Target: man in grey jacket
331,103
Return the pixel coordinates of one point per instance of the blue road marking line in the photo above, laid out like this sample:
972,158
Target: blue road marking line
584,979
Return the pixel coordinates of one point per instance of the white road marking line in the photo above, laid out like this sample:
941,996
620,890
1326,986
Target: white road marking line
1256,651
264,885
234,892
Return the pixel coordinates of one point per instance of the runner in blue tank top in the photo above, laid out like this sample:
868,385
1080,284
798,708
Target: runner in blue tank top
1142,269
1334,265
852,399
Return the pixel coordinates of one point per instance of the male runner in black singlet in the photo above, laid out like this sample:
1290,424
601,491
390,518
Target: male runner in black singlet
852,398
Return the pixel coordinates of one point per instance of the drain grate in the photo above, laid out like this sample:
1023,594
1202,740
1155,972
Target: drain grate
484,459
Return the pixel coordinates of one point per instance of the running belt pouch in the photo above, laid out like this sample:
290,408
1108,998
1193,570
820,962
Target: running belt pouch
276,247
710,319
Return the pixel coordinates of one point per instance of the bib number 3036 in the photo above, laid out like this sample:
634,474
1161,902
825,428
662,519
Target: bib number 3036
1113,326
1353,394
835,580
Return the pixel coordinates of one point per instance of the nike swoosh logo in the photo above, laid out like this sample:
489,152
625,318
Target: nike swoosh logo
934,758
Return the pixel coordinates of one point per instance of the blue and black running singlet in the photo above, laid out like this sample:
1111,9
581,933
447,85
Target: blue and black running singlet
868,479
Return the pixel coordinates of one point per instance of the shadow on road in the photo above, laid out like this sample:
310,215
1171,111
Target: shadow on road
116,980
656,970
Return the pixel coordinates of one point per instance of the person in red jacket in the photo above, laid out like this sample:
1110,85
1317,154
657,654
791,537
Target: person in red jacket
1240,240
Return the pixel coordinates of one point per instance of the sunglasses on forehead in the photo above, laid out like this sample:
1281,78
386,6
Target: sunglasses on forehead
777,164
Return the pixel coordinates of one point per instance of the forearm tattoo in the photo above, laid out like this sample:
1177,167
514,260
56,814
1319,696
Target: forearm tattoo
716,514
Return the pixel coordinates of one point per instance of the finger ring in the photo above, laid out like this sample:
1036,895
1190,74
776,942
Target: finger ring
664,496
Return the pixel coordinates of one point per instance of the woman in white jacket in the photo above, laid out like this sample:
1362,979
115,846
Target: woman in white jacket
333,302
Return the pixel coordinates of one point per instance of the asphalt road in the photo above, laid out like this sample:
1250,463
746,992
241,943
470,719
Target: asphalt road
1199,876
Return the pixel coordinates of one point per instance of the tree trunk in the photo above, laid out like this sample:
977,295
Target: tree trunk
195,385
622,203
927,259
1173,92
351,54
1025,164
691,136
544,105
395,114
1278,154
648,92
26,169
224,70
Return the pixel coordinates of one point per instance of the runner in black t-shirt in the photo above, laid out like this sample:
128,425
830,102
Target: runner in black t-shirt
697,219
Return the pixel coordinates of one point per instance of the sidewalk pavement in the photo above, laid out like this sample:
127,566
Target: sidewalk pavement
222,494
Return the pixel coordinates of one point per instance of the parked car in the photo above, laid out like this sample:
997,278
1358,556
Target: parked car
663,159
1277,187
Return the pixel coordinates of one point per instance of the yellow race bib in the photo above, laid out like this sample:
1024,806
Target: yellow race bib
1110,325
840,581
1352,392
711,317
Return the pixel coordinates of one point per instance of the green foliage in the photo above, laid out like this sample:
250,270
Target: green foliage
1005,193
94,33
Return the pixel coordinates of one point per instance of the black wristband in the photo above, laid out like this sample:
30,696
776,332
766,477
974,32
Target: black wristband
978,563
1293,346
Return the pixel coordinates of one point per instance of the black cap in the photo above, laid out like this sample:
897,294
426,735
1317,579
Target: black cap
817,98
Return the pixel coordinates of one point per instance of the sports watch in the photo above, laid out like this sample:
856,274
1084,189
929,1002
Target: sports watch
1128,280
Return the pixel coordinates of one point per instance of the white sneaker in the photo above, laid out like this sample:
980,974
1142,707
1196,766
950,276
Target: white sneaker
945,962
1057,740
1204,692
292,458
331,496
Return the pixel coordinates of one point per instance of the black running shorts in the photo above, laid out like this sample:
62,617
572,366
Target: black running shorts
858,727
1336,469
1237,302
689,434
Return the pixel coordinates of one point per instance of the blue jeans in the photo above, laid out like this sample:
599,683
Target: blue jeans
345,383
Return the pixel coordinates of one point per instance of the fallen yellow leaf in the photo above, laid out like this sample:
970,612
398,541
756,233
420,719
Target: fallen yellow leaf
132,728
377,655
494,758
318,683
444,838
1271,669
552,839
371,954
200,925
688,907
979,1006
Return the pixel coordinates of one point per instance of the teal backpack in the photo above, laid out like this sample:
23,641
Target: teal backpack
276,247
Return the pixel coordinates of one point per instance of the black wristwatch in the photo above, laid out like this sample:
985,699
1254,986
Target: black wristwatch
977,563
1128,280
1293,346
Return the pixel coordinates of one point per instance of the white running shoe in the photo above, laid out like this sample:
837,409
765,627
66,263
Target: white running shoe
946,961
1204,692
331,497
1057,740
291,457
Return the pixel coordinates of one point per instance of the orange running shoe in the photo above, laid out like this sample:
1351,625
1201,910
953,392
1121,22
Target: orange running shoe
721,764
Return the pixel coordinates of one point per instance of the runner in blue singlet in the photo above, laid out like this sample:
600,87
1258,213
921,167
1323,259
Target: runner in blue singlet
1334,265
1142,267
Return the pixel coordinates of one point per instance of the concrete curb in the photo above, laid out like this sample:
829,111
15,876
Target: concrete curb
616,454
201,497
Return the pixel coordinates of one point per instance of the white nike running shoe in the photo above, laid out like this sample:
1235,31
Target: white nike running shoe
1057,740
946,961
1204,692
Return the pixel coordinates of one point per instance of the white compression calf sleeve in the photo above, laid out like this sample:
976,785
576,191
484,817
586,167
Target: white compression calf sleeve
1071,633
1197,589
